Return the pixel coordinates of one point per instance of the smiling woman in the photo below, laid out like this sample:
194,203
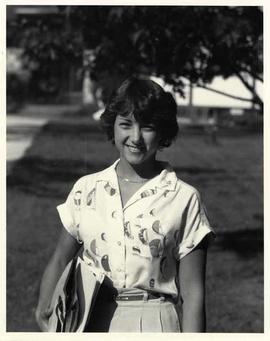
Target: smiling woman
137,143
150,105
141,228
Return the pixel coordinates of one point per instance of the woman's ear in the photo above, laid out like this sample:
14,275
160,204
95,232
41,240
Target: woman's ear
164,143
160,145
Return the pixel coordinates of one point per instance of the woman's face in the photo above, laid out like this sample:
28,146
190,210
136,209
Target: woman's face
136,143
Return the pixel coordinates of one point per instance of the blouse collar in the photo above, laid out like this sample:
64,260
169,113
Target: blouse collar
166,179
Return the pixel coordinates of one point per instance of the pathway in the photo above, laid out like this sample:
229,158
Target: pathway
24,125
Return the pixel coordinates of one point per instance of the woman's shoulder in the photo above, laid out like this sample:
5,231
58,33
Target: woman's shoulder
86,179
91,178
180,185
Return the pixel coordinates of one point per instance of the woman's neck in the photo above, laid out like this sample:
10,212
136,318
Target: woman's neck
135,172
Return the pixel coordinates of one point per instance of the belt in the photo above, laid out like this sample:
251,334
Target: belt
139,297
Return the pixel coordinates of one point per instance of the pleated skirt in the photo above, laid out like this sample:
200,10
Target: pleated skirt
145,316
152,315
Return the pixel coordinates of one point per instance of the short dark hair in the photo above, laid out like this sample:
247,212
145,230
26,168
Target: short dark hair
148,102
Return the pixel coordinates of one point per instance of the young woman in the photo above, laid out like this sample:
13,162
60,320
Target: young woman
140,225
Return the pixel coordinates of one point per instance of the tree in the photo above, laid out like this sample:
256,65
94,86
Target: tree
177,43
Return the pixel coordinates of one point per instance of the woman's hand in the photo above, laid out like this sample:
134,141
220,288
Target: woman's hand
42,317
65,250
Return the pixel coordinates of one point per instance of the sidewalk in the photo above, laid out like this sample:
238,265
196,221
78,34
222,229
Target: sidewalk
23,126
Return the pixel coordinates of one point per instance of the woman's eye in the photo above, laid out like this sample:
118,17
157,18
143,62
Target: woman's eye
148,127
124,124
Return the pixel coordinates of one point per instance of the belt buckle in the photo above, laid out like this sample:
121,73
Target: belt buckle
122,298
125,297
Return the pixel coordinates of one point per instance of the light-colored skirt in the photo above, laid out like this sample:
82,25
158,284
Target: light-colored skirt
145,316
151,315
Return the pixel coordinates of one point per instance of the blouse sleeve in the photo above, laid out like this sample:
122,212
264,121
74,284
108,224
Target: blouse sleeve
69,211
196,226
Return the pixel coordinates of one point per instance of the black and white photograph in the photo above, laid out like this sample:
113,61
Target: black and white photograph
134,168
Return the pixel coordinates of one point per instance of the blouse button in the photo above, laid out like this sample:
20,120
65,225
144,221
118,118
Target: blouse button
119,243
114,214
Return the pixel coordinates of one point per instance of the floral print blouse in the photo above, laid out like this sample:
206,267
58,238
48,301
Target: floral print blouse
138,245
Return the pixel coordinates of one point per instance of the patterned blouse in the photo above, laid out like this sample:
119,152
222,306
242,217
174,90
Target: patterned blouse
138,245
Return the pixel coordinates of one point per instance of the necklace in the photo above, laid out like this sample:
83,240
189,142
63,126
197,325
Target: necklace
132,181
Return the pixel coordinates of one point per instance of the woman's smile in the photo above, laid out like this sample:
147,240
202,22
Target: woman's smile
136,142
135,149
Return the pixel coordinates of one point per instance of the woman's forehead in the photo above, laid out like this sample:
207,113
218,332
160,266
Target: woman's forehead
135,118
129,116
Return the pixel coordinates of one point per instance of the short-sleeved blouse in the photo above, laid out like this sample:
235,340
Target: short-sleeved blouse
138,245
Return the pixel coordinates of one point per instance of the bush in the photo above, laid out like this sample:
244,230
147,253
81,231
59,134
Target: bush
16,91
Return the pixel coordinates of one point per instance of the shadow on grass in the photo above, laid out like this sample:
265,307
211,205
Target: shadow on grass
57,128
194,170
16,133
50,165
62,128
246,243
48,178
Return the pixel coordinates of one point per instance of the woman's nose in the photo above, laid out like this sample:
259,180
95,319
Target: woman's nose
136,134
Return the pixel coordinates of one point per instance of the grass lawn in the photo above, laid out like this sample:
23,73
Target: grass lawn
228,175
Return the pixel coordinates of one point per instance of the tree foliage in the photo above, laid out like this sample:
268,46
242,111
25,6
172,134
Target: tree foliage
177,43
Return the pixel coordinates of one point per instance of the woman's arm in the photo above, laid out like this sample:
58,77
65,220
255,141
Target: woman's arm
192,289
66,248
